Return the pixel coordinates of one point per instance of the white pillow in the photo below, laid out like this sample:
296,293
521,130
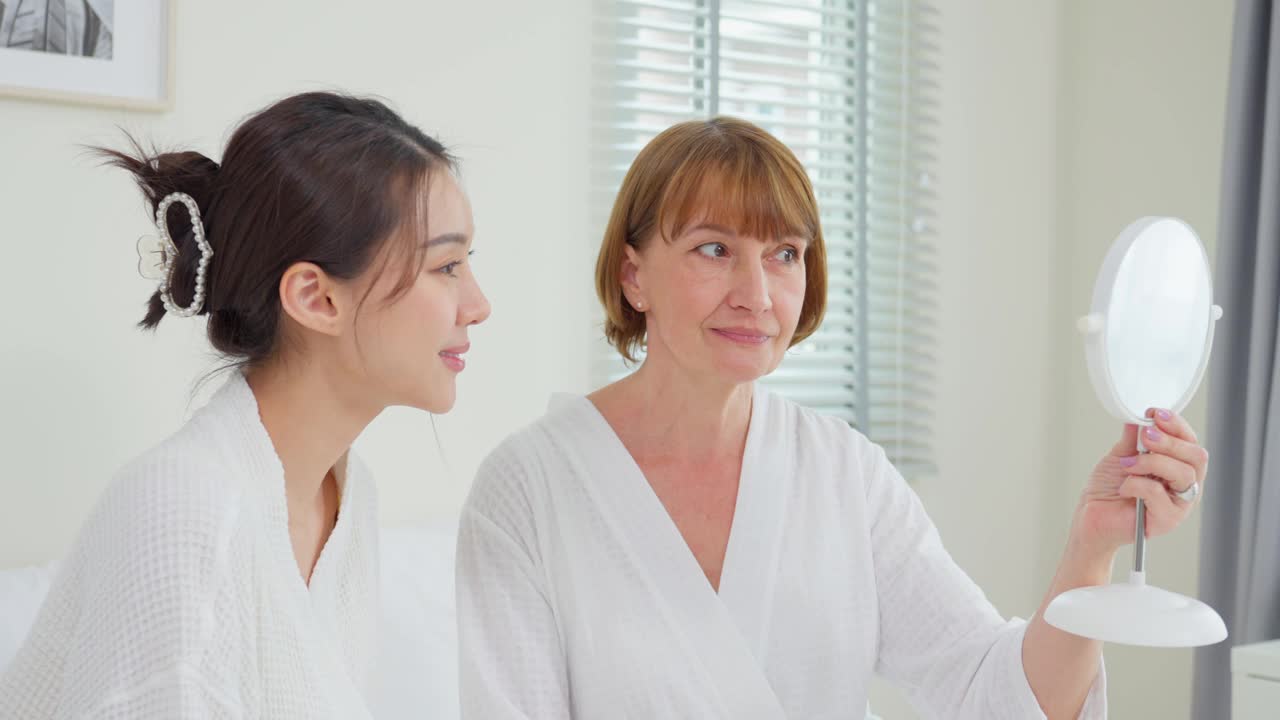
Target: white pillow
21,592
416,673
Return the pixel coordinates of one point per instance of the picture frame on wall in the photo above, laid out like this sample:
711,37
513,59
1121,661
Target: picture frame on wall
115,53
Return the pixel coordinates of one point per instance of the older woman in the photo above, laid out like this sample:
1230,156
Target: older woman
685,544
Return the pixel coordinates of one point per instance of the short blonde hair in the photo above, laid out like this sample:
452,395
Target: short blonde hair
724,171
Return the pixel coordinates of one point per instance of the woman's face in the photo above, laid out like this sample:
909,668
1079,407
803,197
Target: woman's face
411,348
723,306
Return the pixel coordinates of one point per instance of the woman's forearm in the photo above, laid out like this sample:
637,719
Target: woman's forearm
1060,666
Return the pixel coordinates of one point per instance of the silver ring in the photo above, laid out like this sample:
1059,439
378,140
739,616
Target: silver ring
1191,493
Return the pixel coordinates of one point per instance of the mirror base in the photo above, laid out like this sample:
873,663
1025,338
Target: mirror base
1134,613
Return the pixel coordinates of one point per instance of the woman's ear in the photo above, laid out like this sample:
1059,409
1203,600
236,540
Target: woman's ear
313,299
630,278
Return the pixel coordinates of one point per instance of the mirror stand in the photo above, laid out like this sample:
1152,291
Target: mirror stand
1132,612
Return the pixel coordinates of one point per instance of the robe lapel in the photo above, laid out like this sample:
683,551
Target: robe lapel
751,558
705,626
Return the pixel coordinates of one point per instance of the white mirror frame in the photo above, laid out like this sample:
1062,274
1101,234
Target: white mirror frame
1094,325
1134,612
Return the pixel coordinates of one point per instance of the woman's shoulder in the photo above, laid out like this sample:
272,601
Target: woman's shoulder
190,465
137,588
150,551
813,430
171,500
180,497
523,452
516,472
203,464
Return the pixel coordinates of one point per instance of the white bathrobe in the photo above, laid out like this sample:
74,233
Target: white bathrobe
578,598
182,597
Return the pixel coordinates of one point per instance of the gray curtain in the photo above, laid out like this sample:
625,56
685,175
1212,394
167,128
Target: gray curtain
1240,537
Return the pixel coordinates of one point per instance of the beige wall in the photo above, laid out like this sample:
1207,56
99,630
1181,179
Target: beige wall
1142,106
1062,122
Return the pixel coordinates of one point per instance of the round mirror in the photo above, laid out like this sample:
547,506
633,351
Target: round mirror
1151,326
1147,340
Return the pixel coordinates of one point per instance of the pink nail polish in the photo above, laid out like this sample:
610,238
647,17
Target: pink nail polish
1164,415
1152,434
1129,461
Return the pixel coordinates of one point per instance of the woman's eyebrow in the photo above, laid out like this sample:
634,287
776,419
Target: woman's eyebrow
446,238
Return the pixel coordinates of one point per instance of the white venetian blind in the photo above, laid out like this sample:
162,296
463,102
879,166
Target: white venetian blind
848,86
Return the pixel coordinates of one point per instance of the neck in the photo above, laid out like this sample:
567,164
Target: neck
693,417
312,421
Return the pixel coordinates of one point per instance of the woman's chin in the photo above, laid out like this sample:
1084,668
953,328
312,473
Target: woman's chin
437,399
737,370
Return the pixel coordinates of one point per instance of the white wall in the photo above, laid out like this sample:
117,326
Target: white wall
81,391
996,427
1143,102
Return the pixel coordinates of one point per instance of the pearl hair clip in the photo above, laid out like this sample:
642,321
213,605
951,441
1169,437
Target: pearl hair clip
158,256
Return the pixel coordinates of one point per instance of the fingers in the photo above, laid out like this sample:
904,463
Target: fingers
1175,438
1173,424
1176,474
1128,443
1163,513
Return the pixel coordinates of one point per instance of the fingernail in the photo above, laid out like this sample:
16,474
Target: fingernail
1164,415
1152,434
1129,461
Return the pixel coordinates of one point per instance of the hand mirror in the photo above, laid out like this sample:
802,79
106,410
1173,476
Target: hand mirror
1147,339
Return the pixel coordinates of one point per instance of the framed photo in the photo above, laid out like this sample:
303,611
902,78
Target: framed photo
100,52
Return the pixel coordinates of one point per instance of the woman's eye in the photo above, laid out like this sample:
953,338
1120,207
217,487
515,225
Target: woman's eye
788,255
451,267
713,250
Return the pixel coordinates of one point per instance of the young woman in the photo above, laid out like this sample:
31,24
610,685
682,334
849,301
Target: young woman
231,571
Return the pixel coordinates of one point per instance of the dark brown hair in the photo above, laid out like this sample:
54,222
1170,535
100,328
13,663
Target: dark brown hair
723,170
317,177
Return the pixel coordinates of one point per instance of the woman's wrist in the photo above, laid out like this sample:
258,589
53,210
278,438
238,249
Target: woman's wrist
1087,558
